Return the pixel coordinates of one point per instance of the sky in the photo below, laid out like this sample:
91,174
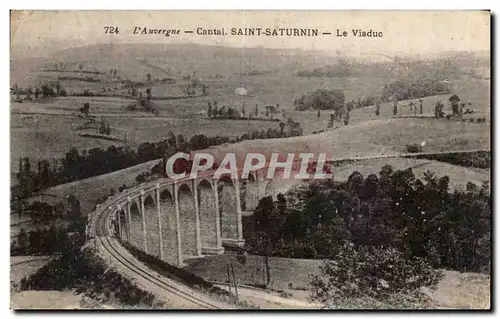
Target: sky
36,33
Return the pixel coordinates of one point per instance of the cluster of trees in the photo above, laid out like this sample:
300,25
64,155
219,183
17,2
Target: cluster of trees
331,100
76,78
47,241
414,89
457,109
113,71
321,99
480,159
104,128
62,68
84,272
418,218
225,112
216,112
46,90
59,228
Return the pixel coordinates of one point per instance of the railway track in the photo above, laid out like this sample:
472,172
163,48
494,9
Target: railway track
152,277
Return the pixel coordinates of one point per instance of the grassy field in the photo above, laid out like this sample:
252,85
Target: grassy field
44,136
283,270
372,138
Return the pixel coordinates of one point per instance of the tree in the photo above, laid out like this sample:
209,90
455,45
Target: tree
371,272
454,99
29,91
438,109
270,111
22,239
58,87
412,106
321,99
461,110
346,118
282,129
47,91
331,121
215,111
86,108
265,229
209,110
102,127
37,92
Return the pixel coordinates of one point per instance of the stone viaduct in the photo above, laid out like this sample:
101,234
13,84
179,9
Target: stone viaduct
178,220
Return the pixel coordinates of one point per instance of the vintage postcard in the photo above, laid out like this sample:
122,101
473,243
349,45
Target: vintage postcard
250,160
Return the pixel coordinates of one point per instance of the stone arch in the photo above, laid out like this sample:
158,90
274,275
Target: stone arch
227,208
149,202
187,216
152,226
136,237
168,227
208,214
186,184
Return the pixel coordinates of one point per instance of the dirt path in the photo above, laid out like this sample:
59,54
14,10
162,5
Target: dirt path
271,300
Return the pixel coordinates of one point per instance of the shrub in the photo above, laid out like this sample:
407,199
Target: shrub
285,294
140,178
413,148
377,273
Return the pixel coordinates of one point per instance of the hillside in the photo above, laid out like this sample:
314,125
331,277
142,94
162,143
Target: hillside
136,60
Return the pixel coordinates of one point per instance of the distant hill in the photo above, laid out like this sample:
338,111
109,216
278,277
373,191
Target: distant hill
177,59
